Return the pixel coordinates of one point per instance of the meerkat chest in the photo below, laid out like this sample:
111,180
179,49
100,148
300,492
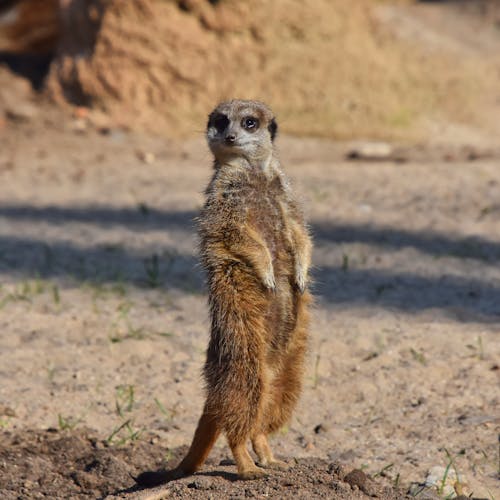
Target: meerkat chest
267,212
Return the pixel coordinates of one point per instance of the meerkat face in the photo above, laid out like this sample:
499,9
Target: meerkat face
241,128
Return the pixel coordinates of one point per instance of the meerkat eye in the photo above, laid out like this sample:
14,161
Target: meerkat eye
221,122
249,122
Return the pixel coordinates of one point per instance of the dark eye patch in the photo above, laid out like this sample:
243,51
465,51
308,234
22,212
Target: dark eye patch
273,128
219,121
250,123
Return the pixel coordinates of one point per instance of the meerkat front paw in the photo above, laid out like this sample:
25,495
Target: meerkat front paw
301,278
268,280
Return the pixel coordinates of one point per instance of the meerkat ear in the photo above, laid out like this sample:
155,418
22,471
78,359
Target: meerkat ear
273,128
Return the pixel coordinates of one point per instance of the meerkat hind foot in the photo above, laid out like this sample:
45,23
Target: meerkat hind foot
275,464
253,473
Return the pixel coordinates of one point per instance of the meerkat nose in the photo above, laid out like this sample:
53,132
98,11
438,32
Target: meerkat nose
230,138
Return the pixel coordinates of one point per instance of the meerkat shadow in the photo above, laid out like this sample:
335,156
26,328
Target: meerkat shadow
151,479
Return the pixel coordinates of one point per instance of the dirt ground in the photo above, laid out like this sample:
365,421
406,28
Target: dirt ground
104,321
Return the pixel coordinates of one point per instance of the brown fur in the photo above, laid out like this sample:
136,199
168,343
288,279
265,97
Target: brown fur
256,250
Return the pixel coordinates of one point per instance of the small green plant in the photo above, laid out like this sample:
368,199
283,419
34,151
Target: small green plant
418,356
51,372
119,288
449,465
56,296
345,262
284,430
126,428
124,400
480,347
168,456
124,403
152,268
67,423
166,413
397,480
382,472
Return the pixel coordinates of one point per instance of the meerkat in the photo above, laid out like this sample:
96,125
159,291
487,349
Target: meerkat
256,251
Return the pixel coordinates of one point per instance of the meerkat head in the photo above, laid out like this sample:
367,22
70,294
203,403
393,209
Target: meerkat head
241,128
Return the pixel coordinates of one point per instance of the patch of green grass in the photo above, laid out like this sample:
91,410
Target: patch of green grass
28,290
124,404
24,291
123,329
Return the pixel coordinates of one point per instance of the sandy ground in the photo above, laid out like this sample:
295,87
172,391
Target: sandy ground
104,322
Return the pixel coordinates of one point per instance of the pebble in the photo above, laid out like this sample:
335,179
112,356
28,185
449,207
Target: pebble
451,486
20,111
374,151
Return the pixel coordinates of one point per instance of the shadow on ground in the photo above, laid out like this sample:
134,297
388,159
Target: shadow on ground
467,298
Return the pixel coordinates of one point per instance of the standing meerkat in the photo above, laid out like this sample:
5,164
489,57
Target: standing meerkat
256,251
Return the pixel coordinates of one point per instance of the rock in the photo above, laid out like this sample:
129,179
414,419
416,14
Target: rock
20,111
146,157
446,481
79,125
320,429
357,478
423,492
372,151
201,483
338,469
7,411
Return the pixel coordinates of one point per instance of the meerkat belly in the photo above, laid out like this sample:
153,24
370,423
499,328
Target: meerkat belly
266,216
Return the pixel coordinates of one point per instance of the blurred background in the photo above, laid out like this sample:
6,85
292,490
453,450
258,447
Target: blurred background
389,121
406,70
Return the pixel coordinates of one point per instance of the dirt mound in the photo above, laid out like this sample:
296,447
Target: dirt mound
327,67
78,465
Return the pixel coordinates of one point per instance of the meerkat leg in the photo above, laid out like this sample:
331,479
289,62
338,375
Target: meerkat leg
265,455
246,466
204,438
287,383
